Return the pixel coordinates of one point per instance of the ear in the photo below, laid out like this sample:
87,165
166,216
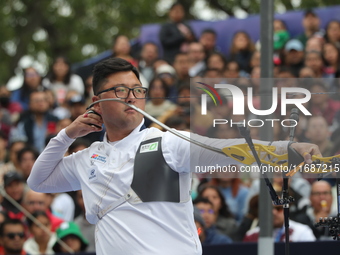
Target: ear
96,107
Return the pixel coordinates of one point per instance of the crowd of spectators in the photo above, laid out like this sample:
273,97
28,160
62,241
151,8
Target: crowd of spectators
226,208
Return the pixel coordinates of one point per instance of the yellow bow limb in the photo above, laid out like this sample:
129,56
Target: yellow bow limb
243,154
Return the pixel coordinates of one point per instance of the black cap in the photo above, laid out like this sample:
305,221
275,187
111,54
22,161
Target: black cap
310,11
11,176
77,99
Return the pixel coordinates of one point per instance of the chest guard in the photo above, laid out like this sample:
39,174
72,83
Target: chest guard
153,179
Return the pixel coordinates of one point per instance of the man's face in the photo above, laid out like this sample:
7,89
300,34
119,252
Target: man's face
13,238
196,52
38,102
15,190
321,196
181,64
177,13
149,53
117,115
294,57
313,44
35,201
208,40
311,22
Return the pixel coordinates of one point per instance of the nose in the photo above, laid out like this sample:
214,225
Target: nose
130,97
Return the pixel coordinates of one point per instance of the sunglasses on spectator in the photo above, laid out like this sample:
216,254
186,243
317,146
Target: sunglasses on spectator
13,235
35,202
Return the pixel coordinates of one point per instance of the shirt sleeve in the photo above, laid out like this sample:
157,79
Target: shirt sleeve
52,173
183,156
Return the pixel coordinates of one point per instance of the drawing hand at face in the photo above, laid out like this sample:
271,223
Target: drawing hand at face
91,121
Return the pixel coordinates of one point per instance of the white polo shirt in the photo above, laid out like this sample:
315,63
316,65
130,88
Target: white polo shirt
104,172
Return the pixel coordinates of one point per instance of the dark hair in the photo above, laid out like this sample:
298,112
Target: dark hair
27,149
164,86
107,67
10,221
39,90
36,214
175,121
224,210
3,135
183,87
286,69
181,53
309,11
211,70
202,200
78,142
175,4
52,77
209,31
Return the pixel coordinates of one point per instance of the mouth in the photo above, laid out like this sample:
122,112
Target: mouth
129,110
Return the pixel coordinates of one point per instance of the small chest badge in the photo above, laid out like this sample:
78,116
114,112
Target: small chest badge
92,174
149,147
98,158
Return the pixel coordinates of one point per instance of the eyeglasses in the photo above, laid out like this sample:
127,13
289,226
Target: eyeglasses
210,211
36,202
123,92
31,74
325,193
13,235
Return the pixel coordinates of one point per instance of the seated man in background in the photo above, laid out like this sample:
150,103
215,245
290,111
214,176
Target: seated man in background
297,232
12,237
